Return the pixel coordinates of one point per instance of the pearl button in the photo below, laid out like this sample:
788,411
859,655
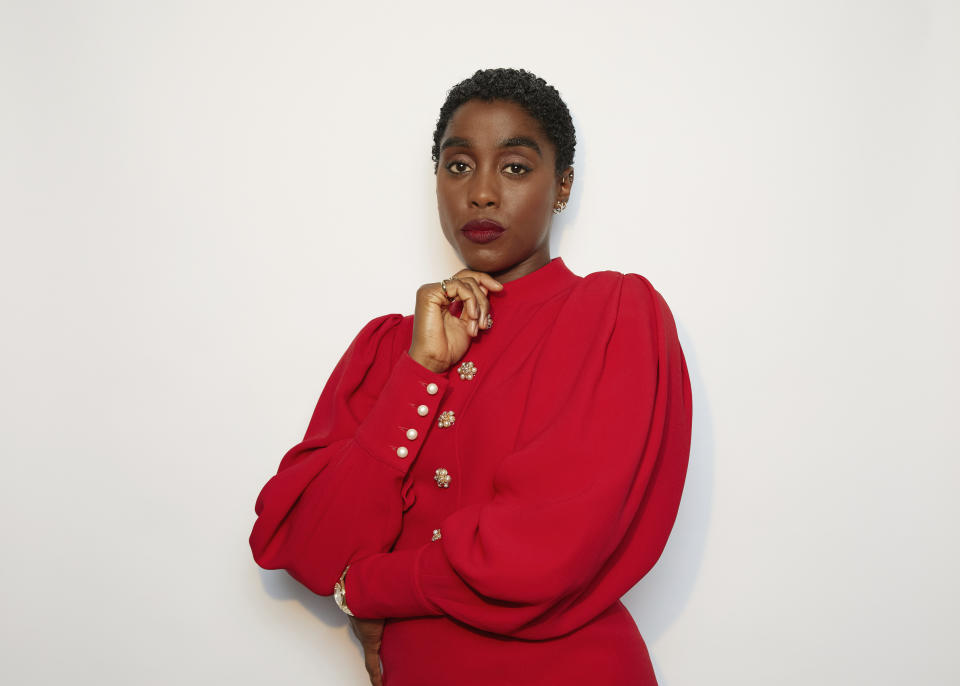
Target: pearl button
432,388
402,452
423,410
436,535
412,434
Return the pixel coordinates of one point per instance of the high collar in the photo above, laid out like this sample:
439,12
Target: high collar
535,287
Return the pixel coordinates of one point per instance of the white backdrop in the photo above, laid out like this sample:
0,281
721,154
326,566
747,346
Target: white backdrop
202,202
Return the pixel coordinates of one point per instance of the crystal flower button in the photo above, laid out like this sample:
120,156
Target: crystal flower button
442,477
467,371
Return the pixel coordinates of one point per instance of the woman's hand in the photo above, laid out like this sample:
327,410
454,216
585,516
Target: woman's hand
369,632
440,338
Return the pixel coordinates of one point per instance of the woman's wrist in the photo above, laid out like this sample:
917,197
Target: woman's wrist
427,362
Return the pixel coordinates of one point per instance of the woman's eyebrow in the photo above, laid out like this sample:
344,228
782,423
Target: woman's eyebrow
521,141
515,141
454,142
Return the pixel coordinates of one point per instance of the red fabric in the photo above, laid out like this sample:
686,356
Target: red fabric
567,458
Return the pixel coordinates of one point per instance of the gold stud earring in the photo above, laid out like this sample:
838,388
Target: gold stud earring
559,206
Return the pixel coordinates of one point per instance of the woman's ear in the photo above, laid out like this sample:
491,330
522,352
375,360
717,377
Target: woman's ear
566,183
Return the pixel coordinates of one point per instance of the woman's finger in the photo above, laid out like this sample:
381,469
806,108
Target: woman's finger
483,278
468,294
475,296
471,275
483,303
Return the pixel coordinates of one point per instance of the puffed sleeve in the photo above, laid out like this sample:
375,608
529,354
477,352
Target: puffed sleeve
584,505
337,493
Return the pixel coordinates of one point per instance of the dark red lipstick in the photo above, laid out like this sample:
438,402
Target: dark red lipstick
482,230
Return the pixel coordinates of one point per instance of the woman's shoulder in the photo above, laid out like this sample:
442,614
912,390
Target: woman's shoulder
384,334
373,351
625,288
610,304
385,325
612,279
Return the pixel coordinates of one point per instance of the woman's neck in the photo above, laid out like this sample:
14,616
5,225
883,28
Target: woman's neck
527,266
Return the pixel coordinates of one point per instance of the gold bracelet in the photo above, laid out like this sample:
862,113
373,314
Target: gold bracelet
340,592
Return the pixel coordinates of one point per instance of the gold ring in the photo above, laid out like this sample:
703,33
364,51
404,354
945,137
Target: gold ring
443,287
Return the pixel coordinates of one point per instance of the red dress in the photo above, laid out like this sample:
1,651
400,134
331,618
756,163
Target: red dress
497,520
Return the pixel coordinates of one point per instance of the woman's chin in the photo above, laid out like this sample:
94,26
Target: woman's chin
489,264
482,259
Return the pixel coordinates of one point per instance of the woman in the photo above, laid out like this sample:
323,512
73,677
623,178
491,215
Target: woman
481,481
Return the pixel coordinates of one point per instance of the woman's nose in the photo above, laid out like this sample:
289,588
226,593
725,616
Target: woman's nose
484,191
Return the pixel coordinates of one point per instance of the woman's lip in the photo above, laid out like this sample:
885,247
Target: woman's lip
482,225
482,230
482,235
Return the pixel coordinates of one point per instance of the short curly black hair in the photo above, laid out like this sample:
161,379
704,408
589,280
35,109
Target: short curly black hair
529,91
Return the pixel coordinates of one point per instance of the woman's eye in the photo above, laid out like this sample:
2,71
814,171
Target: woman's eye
516,169
458,167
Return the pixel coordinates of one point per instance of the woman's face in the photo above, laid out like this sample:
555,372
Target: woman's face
496,188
